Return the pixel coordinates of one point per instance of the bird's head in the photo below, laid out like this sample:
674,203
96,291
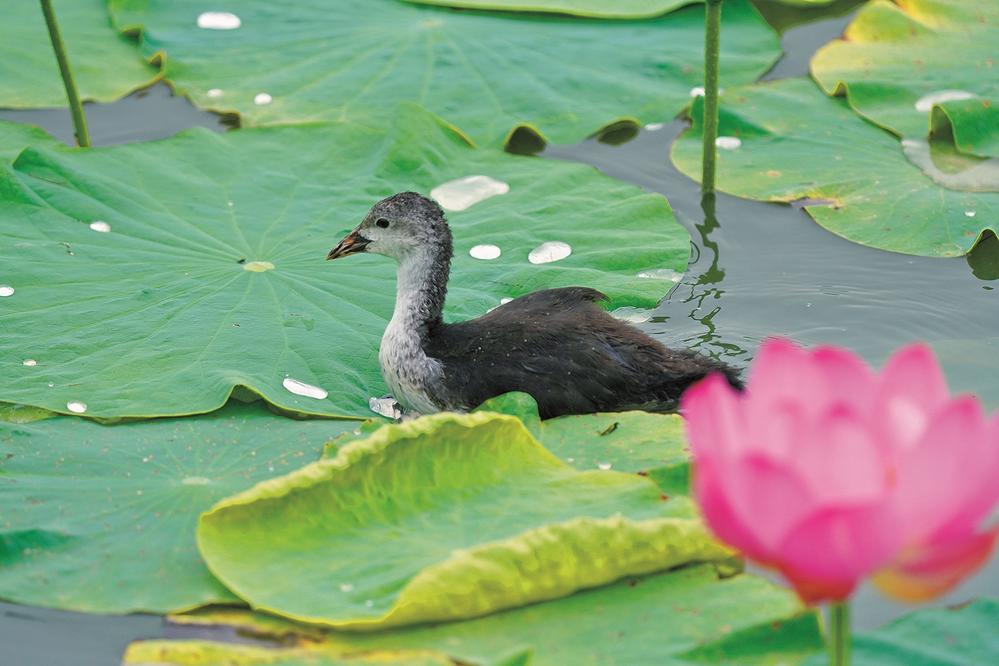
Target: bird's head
397,227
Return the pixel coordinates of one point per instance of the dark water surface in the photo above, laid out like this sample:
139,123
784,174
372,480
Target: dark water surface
757,269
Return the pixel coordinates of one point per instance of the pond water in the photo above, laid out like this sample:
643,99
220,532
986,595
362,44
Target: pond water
756,270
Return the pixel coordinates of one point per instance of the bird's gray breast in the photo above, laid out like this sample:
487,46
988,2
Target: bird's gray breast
413,378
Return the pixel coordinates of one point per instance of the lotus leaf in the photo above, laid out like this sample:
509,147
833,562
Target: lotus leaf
650,444
207,653
105,65
489,73
854,179
680,617
102,518
441,518
210,273
14,137
898,62
961,636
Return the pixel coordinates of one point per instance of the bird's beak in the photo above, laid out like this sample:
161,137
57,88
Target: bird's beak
352,243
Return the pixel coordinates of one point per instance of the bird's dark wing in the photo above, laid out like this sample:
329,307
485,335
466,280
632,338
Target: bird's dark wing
564,350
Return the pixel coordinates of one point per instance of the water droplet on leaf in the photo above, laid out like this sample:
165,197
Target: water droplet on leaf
303,389
926,103
549,252
485,252
463,193
258,266
219,21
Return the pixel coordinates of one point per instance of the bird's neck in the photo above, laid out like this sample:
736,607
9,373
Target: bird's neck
421,286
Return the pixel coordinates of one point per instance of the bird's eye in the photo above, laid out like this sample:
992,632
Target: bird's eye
382,222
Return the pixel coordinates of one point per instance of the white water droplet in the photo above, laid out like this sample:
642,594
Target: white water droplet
925,103
570,460
262,98
386,407
604,466
145,459
463,193
667,274
76,406
30,362
6,290
346,587
728,142
969,213
303,389
195,481
697,91
369,603
655,127
218,21
954,170
215,93
100,226
549,252
632,315
485,252
504,301
258,266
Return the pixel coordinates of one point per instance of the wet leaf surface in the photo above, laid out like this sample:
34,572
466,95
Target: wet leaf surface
899,62
102,518
794,143
488,73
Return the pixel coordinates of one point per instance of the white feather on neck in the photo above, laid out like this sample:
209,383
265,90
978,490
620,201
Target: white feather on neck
410,374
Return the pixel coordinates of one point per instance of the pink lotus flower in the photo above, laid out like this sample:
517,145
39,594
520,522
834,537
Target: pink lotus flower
830,472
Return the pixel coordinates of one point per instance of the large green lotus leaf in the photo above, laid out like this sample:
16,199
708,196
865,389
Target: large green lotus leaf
621,9
440,518
102,518
685,616
961,636
897,61
213,273
796,143
105,65
207,653
15,137
488,73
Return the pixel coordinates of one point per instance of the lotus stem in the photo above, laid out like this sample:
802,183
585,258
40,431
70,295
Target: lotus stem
712,38
75,108
839,634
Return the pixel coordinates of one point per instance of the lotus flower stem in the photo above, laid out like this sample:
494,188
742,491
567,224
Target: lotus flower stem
75,108
712,37
839,633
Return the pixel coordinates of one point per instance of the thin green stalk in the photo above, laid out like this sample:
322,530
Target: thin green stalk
75,108
839,634
712,37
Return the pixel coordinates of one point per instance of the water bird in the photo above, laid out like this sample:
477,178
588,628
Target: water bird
557,345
